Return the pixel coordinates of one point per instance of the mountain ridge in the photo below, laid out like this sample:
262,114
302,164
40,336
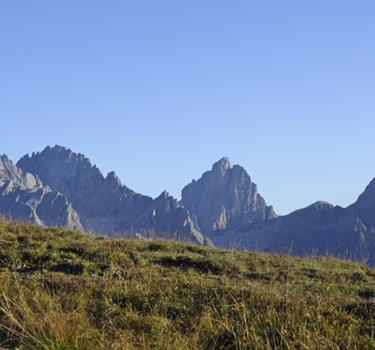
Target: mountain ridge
318,229
105,205
222,207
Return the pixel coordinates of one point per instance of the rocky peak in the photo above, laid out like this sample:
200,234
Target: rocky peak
164,195
222,166
367,198
53,157
7,170
224,197
113,178
4,158
9,173
6,166
364,207
65,171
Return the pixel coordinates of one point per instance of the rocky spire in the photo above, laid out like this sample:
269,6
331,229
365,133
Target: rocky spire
224,197
222,166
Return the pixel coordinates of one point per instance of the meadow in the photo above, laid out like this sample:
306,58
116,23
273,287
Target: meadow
63,290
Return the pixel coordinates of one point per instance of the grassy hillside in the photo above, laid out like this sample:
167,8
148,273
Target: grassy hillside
64,290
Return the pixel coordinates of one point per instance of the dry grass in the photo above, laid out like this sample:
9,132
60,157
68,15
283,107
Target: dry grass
63,290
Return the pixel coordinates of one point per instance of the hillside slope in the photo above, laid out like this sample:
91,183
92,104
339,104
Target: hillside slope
64,290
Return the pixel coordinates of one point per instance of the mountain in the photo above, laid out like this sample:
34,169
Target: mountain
104,204
227,207
225,197
319,229
57,187
24,197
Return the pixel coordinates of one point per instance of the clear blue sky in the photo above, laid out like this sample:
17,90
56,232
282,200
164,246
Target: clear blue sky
159,90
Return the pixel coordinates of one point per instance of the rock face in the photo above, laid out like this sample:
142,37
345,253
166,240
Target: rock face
24,197
103,204
225,197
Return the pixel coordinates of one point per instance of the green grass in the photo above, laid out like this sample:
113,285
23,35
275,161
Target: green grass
63,290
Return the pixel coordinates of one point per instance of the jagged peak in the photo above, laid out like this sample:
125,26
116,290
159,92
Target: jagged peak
367,198
10,172
59,150
113,177
163,195
68,153
5,160
53,149
7,165
223,164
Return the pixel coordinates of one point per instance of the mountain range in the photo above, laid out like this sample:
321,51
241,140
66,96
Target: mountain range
57,187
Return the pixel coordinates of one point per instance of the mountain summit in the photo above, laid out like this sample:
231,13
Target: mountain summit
225,197
222,165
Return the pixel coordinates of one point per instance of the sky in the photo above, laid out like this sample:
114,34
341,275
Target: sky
159,90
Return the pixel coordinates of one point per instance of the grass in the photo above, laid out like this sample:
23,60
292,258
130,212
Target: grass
64,290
